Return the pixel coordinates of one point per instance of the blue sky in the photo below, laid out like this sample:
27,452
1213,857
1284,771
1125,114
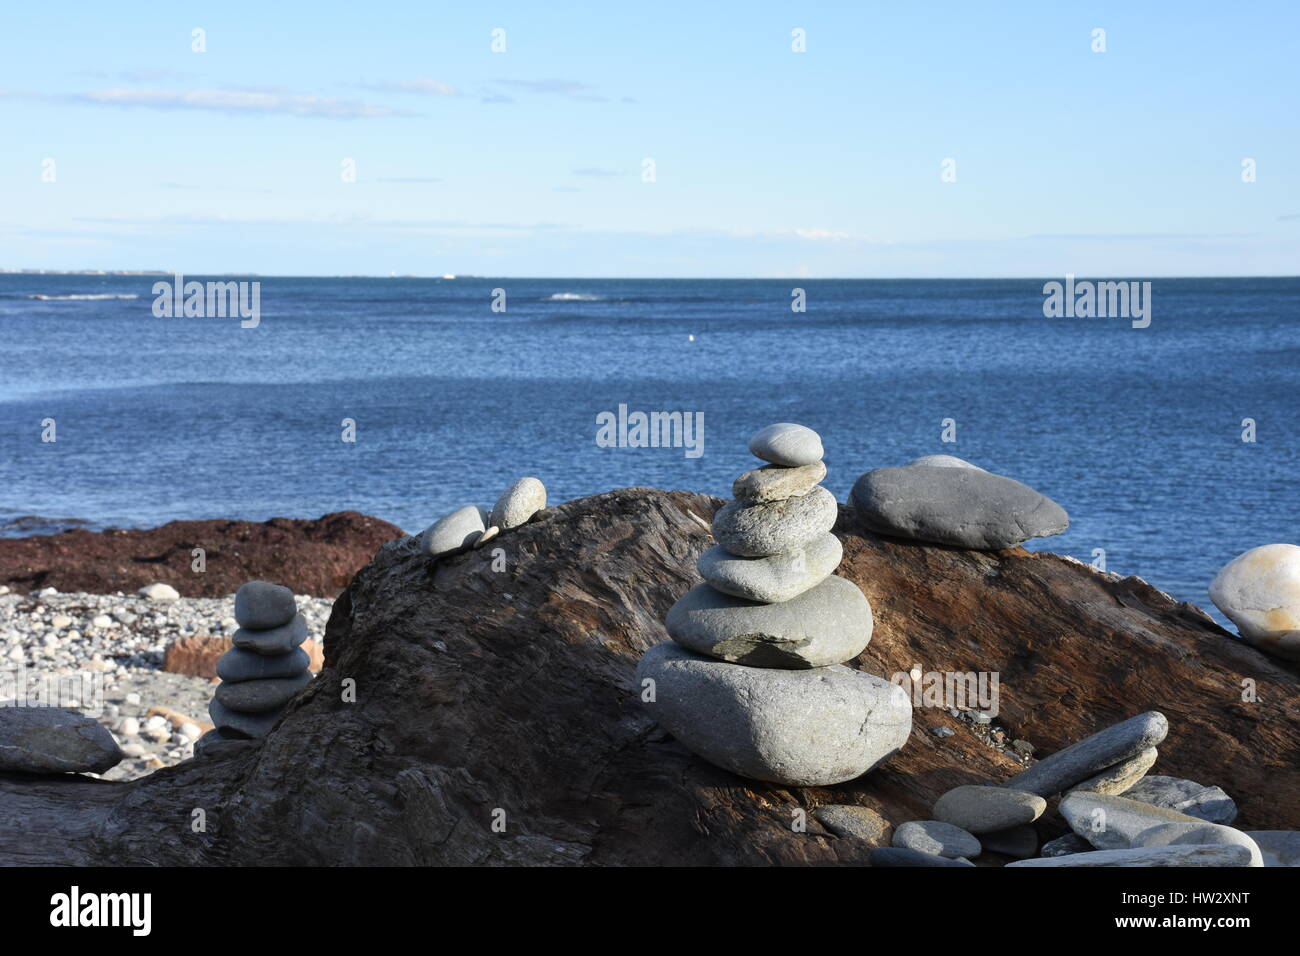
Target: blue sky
768,162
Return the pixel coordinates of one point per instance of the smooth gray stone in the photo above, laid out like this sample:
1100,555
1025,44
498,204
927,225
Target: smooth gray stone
233,723
774,482
54,740
238,665
829,624
1199,833
1214,855
892,856
988,809
776,578
850,821
1185,796
1259,591
517,504
455,533
1278,847
1065,845
1119,778
1019,843
937,837
756,531
787,444
1092,755
798,728
260,696
962,507
278,640
215,742
1113,823
260,606
943,461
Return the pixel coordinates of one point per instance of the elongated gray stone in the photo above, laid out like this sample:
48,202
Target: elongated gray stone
1199,833
277,640
1278,847
774,482
829,624
233,723
1065,845
962,507
1092,755
455,533
261,696
850,821
987,809
517,504
1213,855
776,578
1185,796
937,837
897,856
799,728
54,740
1113,823
1019,843
238,665
260,605
787,444
1122,776
756,531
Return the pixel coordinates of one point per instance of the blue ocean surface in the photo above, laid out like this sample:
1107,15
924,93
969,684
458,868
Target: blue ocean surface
1136,432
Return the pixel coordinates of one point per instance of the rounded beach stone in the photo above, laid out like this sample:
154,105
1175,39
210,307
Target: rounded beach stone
987,809
1185,796
1113,823
237,665
961,507
1198,834
518,503
159,592
455,533
943,461
776,578
260,696
1279,847
851,821
486,536
774,482
234,723
54,740
277,640
1259,591
893,856
796,728
756,531
787,444
937,837
829,624
260,605
1019,843
1220,855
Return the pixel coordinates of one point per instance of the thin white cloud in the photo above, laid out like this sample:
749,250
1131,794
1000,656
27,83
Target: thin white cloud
570,89
422,86
235,102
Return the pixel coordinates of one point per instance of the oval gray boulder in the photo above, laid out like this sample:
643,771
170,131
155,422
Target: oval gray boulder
234,723
260,605
756,531
54,740
786,443
776,578
987,809
260,696
455,533
517,504
795,728
829,624
774,482
238,665
1198,834
937,837
277,640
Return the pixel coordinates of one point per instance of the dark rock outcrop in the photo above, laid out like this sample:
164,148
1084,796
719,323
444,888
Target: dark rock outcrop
496,720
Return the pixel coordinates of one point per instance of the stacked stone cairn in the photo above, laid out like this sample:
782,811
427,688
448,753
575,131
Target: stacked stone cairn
753,679
266,667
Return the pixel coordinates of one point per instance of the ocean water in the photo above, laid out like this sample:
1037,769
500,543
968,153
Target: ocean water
1137,432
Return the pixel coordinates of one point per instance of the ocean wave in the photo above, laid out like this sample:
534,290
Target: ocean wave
574,297
79,297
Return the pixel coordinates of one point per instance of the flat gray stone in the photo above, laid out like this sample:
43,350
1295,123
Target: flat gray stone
895,856
776,578
797,728
54,740
1221,855
455,533
1065,845
517,504
1122,776
233,723
849,821
829,624
756,531
1199,833
774,482
1278,847
1113,823
1185,796
277,640
215,742
261,696
260,605
1019,843
238,665
1092,755
787,444
937,837
988,809
943,461
962,507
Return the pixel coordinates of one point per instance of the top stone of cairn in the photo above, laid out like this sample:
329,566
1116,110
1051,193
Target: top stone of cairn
787,444
260,606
